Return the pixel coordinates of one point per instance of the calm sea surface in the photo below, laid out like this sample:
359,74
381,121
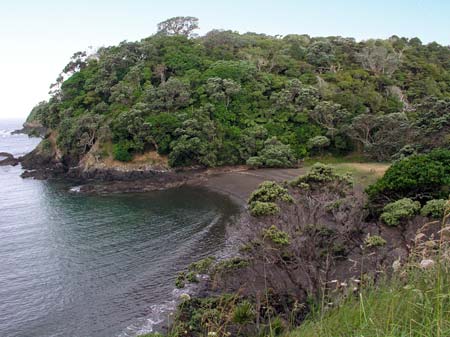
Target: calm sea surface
84,266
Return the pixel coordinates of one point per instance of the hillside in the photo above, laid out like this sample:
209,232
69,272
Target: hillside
227,98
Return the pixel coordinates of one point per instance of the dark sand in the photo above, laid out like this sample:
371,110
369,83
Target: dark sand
238,184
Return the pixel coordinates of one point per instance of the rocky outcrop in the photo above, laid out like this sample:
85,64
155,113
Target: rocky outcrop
42,164
32,129
8,159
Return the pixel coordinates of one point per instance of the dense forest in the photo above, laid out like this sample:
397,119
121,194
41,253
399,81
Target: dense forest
227,98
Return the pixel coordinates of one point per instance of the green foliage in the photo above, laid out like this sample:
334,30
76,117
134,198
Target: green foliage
183,278
180,281
276,235
243,313
273,154
396,212
234,263
434,208
319,174
270,191
318,142
414,304
228,98
374,241
261,208
419,177
195,144
191,277
202,266
46,146
162,129
38,113
122,151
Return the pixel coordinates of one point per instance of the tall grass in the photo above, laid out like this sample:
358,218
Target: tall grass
414,302
419,307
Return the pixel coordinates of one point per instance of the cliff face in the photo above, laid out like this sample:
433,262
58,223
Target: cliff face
44,161
146,172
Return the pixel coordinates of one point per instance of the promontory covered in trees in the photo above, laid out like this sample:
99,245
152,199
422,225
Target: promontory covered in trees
227,98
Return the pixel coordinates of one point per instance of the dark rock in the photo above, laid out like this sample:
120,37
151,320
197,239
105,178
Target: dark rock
8,159
32,130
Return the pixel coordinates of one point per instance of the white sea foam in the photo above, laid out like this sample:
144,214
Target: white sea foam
75,189
5,133
159,313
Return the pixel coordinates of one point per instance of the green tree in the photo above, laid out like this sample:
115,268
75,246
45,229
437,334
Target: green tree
179,25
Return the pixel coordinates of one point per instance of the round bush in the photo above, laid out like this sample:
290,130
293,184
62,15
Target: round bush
434,208
398,211
260,208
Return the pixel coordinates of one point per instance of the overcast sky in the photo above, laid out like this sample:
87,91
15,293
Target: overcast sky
38,37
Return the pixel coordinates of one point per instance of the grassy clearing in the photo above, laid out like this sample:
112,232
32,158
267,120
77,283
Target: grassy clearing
331,159
364,173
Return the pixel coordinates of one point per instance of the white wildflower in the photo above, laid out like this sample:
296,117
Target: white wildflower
426,264
396,265
185,297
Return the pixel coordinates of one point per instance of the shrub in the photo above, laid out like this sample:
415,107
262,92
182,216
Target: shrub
260,208
321,173
122,151
243,313
192,277
202,266
255,162
270,191
400,210
276,235
374,241
182,278
434,208
231,264
180,281
419,177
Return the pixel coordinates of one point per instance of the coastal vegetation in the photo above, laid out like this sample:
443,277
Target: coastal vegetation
320,266
227,98
346,249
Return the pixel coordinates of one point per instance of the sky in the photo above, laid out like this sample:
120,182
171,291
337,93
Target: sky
38,37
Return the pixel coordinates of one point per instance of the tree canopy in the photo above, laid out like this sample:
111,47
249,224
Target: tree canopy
227,98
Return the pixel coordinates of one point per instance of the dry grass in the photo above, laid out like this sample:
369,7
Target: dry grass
364,174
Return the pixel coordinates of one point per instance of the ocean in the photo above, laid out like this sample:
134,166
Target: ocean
96,266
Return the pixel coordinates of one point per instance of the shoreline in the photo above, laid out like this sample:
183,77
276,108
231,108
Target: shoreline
236,182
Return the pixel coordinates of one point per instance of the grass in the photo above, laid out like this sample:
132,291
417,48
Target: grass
415,302
332,159
364,173
420,307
